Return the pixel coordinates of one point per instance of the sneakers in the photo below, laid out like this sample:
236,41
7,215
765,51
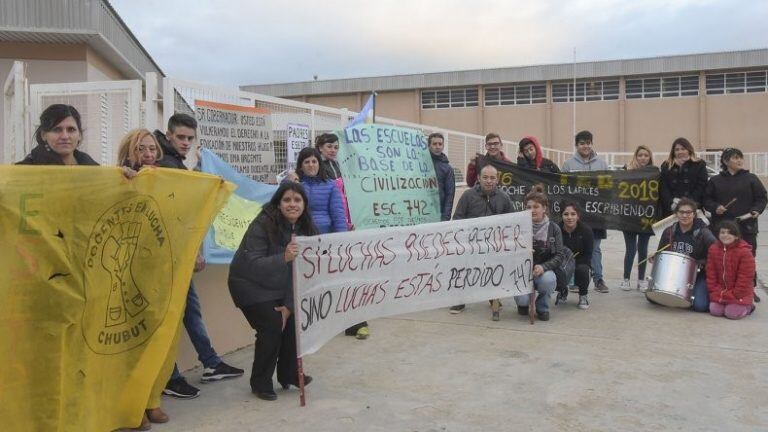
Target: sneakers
600,286
522,310
583,302
457,309
642,285
362,333
494,315
180,389
543,316
220,372
625,285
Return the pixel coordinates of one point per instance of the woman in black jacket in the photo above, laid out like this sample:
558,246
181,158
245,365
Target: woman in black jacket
261,285
578,237
58,137
683,175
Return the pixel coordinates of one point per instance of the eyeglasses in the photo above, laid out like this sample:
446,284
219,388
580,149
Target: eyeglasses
492,144
584,143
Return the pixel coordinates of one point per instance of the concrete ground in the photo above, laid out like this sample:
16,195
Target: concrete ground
623,365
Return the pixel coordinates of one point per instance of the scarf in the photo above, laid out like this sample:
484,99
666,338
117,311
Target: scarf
541,230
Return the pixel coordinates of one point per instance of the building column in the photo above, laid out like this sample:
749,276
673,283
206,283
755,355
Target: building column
481,111
417,97
702,111
548,118
622,115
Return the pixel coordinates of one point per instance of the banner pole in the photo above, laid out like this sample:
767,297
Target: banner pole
297,326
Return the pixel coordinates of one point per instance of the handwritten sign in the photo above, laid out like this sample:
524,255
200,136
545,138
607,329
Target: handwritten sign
298,137
388,176
621,200
345,278
241,136
233,219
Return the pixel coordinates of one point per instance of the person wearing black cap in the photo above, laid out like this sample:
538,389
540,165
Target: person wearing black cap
736,194
531,157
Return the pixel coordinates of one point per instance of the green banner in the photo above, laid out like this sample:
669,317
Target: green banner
388,176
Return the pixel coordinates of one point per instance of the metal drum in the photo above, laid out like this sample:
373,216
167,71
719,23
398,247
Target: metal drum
672,279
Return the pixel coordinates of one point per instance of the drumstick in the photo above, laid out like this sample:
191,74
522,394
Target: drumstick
653,254
730,202
576,254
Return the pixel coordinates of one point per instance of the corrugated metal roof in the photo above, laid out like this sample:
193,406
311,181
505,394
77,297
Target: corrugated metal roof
554,72
93,22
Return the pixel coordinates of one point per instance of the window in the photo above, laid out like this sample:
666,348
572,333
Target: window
585,91
737,82
655,87
453,98
521,94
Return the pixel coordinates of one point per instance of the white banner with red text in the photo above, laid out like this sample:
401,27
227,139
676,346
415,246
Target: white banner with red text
345,278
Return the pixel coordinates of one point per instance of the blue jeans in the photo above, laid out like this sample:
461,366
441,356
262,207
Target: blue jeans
597,261
193,322
545,286
700,293
635,243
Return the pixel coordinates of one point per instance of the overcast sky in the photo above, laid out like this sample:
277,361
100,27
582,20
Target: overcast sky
242,42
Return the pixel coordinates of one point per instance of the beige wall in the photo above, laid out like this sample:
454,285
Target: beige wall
709,122
656,123
348,101
461,119
402,105
737,120
226,325
515,122
99,69
600,118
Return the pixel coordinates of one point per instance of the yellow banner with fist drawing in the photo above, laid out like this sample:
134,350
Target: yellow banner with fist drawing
93,280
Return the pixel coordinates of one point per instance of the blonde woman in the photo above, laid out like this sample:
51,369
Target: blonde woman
683,175
139,148
636,242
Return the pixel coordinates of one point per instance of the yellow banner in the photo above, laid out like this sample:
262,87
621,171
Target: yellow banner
93,280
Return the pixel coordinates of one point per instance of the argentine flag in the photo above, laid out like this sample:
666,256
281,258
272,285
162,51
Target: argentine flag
367,114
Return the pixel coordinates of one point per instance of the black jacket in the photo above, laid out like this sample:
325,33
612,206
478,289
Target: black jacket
331,169
546,165
581,241
746,188
550,255
40,156
171,157
446,184
258,272
688,181
476,203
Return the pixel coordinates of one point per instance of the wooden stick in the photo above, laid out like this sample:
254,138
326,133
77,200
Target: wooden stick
654,254
730,202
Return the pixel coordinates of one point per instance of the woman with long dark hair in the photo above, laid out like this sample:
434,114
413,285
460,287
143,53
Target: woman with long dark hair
325,204
261,284
57,138
578,237
683,175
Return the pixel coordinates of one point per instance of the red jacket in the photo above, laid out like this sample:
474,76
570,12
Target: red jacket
481,161
730,273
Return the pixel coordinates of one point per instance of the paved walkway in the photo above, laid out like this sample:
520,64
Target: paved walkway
623,365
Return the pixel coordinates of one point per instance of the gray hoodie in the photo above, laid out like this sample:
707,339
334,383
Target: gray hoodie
576,163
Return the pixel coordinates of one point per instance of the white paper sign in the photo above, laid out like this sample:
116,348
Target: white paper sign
240,135
345,278
298,138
